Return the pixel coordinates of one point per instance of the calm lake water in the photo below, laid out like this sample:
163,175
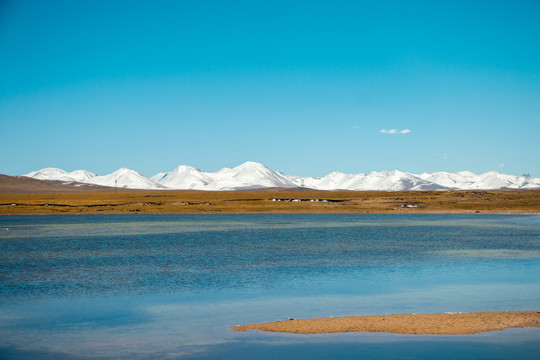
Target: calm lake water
170,286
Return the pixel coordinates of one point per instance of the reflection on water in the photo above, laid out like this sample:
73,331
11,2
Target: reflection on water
169,286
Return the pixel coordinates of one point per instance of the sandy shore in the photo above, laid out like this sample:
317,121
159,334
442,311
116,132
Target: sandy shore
435,324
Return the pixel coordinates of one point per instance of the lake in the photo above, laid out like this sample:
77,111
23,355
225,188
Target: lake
170,286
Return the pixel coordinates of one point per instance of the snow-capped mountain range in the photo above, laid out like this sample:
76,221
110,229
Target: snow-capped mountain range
252,175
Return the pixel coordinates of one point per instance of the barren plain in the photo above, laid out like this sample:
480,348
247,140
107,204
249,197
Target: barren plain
272,201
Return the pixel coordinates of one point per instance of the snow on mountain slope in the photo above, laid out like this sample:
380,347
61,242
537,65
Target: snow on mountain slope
59,174
125,178
333,181
309,182
525,182
158,176
397,181
249,175
495,180
385,180
467,180
47,174
252,175
82,175
183,177
453,181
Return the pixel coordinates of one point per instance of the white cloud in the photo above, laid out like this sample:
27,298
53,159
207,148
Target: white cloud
356,126
395,131
501,165
444,155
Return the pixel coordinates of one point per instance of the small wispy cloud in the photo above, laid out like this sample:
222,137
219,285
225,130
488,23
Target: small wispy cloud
395,131
444,155
501,165
356,126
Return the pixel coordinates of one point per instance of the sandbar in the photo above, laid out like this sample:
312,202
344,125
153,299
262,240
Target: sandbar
417,324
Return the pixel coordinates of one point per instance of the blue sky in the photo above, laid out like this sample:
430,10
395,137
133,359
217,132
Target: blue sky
304,88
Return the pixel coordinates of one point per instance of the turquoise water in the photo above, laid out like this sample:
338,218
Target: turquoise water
170,286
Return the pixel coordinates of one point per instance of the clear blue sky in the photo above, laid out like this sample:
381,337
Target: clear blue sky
302,87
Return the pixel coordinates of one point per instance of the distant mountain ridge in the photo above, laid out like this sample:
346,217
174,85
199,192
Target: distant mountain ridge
252,175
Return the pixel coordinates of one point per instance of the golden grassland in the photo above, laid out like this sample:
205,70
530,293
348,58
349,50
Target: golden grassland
106,202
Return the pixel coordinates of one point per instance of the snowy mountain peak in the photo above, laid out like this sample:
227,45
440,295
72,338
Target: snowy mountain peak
126,178
123,171
183,177
183,168
47,174
249,175
465,173
248,166
251,164
59,174
253,175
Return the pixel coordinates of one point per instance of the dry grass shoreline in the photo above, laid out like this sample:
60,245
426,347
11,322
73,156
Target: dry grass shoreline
271,201
415,324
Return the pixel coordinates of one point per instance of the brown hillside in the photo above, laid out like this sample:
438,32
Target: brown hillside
25,185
